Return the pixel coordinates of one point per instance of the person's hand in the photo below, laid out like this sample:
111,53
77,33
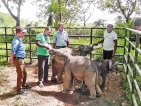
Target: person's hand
48,47
10,61
113,54
95,44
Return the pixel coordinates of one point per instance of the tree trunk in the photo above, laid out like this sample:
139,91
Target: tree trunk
16,18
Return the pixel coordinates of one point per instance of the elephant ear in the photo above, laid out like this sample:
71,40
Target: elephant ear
75,52
110,64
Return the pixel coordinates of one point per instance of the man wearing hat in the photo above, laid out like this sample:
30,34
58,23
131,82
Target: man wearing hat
109,42
17,58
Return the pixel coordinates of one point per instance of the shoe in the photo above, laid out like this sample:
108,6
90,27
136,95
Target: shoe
40,84
26,86
22,92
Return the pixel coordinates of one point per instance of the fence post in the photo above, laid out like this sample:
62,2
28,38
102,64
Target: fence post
125,39
128,56
135,61
30,45
91,39
6,43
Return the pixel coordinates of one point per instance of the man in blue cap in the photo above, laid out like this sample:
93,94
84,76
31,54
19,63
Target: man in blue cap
17,58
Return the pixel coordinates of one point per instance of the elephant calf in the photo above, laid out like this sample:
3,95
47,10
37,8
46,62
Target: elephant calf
57,68
103,66
81,68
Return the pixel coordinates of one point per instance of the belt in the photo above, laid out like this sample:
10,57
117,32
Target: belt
18,58
61,46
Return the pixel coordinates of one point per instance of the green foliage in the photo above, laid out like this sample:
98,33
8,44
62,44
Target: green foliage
124,24
121,7
98,32
108,3
54,7
6,20
126,88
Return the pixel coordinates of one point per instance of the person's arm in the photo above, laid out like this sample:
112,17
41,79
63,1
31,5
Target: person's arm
14,48
101,41
11,58
54,45
115,48
54,41
47,46
68,44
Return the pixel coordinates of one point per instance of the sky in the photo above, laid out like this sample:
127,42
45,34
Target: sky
30,14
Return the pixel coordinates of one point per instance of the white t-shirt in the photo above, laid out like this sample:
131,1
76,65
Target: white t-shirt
109,38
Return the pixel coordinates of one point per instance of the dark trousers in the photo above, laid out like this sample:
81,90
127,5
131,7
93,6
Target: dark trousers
21,73
43,65
107,54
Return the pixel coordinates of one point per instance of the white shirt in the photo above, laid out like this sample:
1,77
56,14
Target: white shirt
109,38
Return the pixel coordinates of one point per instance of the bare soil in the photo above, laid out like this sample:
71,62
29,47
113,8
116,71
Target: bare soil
50,94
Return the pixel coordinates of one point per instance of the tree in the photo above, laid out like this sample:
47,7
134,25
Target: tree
99,23
14,5
6,20
84,12
125,8
65,11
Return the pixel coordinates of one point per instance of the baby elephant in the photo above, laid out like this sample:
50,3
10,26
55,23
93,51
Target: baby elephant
104,66
82,69
57,68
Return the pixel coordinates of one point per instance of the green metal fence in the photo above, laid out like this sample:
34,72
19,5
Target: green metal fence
132,65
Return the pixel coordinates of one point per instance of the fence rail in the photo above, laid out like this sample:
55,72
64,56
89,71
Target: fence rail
131,65
129,59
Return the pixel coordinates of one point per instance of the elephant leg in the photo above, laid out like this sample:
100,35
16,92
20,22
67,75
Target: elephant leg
84,87
54,71
90,81
71,87
60,73
98,91
104,82
59,79
66,81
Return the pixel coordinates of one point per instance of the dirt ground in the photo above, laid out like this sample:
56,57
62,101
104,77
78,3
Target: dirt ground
50,94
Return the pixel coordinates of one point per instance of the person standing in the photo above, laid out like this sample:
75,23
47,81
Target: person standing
17,58
60,38
43,45
109,42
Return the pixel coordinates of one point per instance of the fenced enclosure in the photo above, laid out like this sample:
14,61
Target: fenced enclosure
128,59
77,36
